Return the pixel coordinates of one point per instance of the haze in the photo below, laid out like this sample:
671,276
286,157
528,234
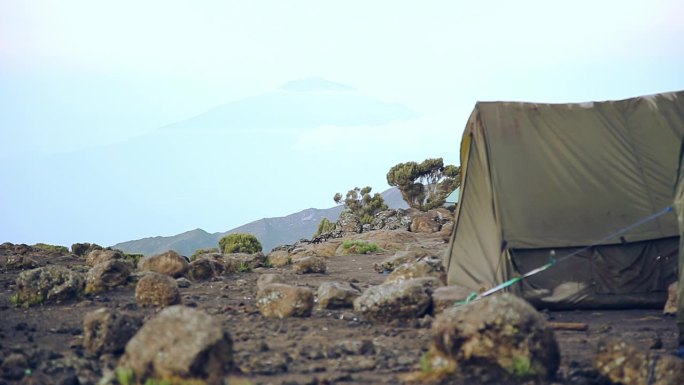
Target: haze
123,120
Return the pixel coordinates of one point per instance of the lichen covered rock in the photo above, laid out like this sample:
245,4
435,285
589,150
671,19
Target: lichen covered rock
406,299
48,284
108,331
180,342
157,290
501,331
333,295
169,263
106,275
622,363
278,300
310,265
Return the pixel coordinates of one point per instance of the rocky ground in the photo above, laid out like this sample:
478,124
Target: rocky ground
46,341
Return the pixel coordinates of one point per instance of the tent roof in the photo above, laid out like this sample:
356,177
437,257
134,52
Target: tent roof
569,174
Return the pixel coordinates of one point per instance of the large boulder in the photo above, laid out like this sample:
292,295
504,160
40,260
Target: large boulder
240,262
157,290
180,342
99,255
17,262
279,301
622,363
267,279
502,332
106,275
406,299
169,263
348,223
279,258
48,284
204,268
425,224
332,295
421,269
309,265
671,303
108,331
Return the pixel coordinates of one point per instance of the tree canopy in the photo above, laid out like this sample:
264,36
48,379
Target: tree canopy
425,185
360,202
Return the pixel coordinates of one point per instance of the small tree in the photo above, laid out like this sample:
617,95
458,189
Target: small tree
325,226
239,243
425,185
361,204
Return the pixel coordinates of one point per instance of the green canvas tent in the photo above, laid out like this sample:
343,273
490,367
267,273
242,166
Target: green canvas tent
538,178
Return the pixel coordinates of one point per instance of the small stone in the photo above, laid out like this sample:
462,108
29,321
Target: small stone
157,290
183,282
279,301
333,295
308,265
169,263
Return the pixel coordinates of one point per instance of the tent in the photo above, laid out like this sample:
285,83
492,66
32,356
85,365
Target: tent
545,179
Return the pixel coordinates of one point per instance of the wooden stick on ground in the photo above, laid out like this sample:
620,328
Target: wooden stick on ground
572,326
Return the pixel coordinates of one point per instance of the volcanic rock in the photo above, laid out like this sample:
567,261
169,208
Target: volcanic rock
406,299
106,275
309,265
108,331
48,284
333,295
180,342
169,263
501,331
157,290
279,301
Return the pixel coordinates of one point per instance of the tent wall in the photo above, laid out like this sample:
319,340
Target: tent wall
543,176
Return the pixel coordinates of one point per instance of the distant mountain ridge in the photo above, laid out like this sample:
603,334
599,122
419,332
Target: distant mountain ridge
271,232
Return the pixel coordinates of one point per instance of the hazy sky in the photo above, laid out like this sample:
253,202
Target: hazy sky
122,120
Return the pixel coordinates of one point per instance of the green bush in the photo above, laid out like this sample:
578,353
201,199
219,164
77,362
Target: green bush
360,247
135,258
325,226
51,248
239,243
362,204
199,252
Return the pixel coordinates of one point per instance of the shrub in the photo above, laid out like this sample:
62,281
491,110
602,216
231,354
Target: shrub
360,247
325,226
199,252
135,258
239,243
361,204
82,249
51,248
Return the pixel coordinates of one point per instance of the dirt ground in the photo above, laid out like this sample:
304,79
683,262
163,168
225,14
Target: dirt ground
331,346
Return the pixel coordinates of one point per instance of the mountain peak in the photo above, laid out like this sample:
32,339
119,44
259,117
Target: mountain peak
314,84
